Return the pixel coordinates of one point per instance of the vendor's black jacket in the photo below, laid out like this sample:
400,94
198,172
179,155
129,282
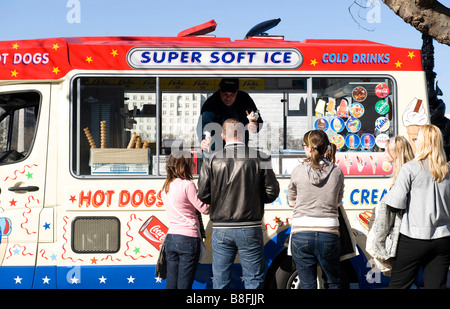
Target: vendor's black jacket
215,111
237,181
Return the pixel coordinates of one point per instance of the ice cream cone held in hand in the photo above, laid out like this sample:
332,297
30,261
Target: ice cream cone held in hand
253,121
413,118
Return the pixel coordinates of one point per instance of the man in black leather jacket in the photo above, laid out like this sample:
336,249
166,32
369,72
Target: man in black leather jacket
237,181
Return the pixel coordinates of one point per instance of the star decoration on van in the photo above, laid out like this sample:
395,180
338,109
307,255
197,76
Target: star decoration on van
114,53
398,64
55,46
314,62
12,203
14,73
15,46
89,59
411,55
56,70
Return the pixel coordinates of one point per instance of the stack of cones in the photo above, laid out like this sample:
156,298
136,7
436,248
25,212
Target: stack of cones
135,141
89,138
102,134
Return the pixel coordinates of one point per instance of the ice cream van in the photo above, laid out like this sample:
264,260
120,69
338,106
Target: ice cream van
87,124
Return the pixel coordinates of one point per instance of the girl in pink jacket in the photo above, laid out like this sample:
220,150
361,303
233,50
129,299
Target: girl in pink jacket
182,242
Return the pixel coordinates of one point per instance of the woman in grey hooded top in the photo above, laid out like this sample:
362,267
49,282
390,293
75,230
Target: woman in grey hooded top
316,190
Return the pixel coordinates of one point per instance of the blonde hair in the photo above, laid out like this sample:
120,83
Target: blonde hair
233,129
400,150
430,145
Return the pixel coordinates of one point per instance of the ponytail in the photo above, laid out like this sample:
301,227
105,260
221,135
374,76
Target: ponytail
330,155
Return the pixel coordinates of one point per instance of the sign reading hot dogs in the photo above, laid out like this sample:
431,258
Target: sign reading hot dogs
113,199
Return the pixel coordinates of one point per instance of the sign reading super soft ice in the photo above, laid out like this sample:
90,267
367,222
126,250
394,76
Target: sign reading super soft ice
225,58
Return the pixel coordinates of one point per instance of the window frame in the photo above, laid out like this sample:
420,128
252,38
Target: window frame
11,122
159,108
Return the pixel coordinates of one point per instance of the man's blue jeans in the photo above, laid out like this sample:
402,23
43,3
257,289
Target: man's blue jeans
226,242
310,248
182,254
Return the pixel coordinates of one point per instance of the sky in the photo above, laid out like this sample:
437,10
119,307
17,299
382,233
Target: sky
300,20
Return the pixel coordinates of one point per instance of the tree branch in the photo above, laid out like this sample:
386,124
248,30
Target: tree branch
428,16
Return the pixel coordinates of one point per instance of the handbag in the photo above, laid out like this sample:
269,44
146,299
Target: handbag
161,264
203,252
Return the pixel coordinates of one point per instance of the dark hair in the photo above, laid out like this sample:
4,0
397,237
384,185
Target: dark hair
229,84
320,146
178,166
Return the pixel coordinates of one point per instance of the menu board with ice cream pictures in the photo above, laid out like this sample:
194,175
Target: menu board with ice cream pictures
357,115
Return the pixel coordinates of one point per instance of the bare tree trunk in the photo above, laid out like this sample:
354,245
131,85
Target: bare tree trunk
428,16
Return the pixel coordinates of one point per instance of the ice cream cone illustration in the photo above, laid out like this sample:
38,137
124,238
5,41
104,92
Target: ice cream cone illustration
413,118
360,163
5,230
348,163
412,131
374,163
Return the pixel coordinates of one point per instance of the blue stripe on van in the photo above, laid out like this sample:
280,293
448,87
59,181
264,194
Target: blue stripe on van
100,277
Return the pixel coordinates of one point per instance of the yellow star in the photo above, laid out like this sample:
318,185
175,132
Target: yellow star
398,64
15,46
55,46
14,73
89,59
411,55
56,70
314,62
114,53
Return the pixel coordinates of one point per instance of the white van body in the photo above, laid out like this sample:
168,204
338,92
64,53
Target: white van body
76,217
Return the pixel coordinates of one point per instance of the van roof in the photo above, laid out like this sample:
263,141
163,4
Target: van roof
53,58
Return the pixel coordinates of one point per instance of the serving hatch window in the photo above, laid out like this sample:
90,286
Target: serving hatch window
129,126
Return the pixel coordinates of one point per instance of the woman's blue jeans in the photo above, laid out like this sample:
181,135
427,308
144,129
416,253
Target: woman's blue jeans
182,254
312,248
226,242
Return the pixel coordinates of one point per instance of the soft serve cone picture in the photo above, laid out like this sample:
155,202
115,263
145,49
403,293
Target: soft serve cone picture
413,118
